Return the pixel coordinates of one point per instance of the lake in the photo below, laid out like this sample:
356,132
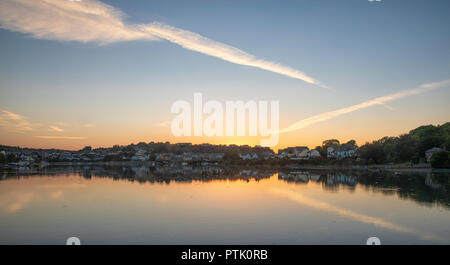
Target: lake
215,205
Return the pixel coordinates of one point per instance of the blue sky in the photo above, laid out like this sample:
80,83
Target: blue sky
361,49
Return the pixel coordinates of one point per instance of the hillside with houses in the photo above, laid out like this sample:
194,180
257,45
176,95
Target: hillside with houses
426,145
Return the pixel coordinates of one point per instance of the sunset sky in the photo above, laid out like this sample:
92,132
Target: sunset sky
102,73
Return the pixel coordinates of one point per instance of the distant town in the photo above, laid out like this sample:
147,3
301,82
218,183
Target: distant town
425,144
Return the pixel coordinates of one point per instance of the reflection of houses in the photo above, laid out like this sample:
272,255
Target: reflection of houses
429,153
314,177
430,183
140,172
334,179
343,151
295,176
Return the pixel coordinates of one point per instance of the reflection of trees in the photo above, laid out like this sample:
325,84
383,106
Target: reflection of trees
145,174
424,188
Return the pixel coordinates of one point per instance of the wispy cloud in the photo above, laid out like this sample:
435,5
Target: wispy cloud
56,129
94,21
376,101
52,137
83,21
14,122
195,42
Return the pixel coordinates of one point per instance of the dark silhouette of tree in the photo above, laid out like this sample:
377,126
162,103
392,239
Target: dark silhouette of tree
440,159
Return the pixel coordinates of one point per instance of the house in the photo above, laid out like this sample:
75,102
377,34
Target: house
188,157
313,154
215,156
294,152
341,152
164,157
248,156
266,155
429,153
25,160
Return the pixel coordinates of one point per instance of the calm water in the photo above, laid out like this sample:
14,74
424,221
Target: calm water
222,206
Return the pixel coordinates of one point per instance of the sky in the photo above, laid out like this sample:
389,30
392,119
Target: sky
101,73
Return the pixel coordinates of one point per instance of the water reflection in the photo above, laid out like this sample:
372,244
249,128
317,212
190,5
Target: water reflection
222,205
380,222
426,188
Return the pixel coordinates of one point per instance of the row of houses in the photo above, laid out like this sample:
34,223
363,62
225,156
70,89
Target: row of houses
342,151
189,157
299,153
304,153
255,156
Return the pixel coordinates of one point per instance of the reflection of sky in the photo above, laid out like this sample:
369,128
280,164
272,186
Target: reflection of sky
102,210
316,204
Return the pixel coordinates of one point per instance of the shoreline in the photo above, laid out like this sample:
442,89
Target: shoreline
422,168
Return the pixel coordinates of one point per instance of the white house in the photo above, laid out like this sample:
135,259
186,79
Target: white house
429,153
294,152
343,151
312,154
248,156
140,155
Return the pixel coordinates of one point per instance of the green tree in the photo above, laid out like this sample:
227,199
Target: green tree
372,152
440,159
86,149
389,144
351,142
406,147
321,150
3,158
12,158
330,142
429,141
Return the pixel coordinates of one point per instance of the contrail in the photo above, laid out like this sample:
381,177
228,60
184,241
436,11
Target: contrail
376,101
94,21
51,137
195,42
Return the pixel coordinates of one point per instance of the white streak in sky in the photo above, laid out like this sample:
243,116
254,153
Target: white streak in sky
51,137
376,101
195,42
94,21
15,121
56,129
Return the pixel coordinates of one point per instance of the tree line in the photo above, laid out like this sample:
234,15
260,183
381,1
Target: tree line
410,147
